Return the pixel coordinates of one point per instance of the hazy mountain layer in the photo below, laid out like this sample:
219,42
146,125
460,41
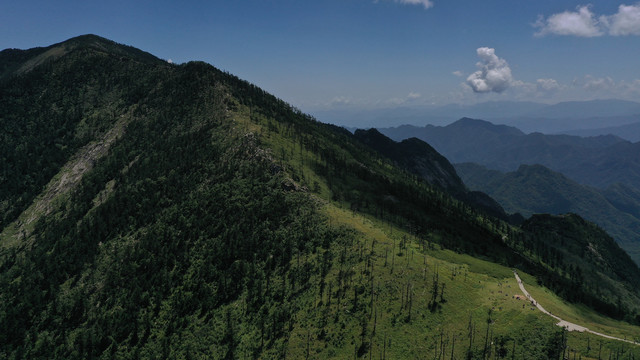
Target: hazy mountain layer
527,116
598,161
630,132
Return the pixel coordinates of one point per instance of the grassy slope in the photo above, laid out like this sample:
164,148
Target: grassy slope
473,287
332,326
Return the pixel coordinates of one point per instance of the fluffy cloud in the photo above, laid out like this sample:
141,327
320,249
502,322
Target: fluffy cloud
625,22
458,73
493,75
577,23
541,88
340,101
412,97
547,85
606,86
591,83
583,22
426,3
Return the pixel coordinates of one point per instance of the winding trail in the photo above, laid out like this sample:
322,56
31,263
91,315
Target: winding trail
563,323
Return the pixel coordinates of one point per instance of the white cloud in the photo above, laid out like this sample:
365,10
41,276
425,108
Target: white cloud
584,23
547,85
577,23
340,101
591,83
170,61
395,101
632,87
426,3
494,74
541,88
458,73
625,22
524,87
607,87
410,98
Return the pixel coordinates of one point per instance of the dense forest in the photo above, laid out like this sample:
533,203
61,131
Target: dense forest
213,220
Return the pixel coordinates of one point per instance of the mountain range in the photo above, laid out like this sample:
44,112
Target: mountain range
158,210
596,161
419,158
630,132
537,173
527,116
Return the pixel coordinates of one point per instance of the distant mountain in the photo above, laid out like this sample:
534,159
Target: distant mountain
527,116
420,115
567,125
421,159
585,109
597,161
417,156
630,132
489,109
535,189
385,117
624,197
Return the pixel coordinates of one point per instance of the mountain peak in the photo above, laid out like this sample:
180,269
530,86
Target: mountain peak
96,42
17,62
466,121
88,38
469,123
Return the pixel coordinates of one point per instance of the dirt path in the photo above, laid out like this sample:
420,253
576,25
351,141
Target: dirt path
563,323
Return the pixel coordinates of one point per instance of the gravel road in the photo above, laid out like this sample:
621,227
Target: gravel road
563,323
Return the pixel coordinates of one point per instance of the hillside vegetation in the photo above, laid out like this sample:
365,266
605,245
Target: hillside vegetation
536,189
217,221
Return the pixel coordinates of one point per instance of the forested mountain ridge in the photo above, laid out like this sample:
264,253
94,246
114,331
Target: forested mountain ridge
219,221
45,122
536,189
418,157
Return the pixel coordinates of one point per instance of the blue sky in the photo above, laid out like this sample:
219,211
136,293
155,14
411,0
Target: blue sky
334,54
